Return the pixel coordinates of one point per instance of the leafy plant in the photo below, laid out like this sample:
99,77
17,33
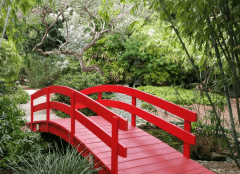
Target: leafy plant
10,61
148,107
20,96
182,96
13,140
79,82
55,162
43,71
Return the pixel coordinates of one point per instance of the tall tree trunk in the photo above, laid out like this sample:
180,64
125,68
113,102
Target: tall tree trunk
203,84
6,21
225,89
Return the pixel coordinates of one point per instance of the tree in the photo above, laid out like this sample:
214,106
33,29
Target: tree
10,61
15,11
92,13
212,26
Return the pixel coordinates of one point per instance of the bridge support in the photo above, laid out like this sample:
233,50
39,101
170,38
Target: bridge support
48,106
114,162
72,116
186,146
133,120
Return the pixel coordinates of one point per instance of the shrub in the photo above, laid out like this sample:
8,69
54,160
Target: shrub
10,61
181,96
3,88
13,140
43,71
20,96
79,82
56,162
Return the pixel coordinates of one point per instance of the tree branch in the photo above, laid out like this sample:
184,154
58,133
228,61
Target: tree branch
60,48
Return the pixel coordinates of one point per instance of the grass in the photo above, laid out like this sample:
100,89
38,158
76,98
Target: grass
55,161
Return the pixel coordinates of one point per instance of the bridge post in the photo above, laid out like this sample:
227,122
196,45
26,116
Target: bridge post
48,106
72,116
114,158
133,120
186,146
99,96
31,112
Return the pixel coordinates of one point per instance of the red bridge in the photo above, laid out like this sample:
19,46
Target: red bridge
116,145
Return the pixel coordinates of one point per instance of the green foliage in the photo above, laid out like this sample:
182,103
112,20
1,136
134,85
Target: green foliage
20,96
79,82
16,25
34,35
3,88
73,66
124,60
182,96
10,61
156,77
148,107
13,140
43,71
55,162
104,54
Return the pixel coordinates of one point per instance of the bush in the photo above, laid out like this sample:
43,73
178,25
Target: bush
19,96
13,140
10,61
181,96
79,82
56,162
43,71
3,88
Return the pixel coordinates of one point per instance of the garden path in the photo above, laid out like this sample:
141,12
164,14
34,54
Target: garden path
40,115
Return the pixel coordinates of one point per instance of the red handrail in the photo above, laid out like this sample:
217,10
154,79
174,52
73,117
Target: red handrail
116,121
179,111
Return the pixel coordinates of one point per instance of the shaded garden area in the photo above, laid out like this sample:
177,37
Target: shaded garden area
185,52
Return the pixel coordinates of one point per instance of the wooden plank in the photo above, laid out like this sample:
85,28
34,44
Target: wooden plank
156,167
39,93
131,150
140,155
40,106
166,105
202,170
101,110
136,150
149,160
186,167
121,136
169,127
151,156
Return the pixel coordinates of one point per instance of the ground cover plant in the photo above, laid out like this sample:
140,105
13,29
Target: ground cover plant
79,82
181,96
55,160
209,138
13,140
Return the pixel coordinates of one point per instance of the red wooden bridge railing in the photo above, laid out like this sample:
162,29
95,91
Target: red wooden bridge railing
188,116
117,121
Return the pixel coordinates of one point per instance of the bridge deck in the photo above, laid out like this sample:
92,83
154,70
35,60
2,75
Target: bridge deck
146,154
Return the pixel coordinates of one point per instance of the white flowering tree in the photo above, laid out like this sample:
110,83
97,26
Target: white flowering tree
85,23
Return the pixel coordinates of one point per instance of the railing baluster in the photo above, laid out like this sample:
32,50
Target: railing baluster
133,120
48,111
99,96
31,113
114,158
186,146
72,116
